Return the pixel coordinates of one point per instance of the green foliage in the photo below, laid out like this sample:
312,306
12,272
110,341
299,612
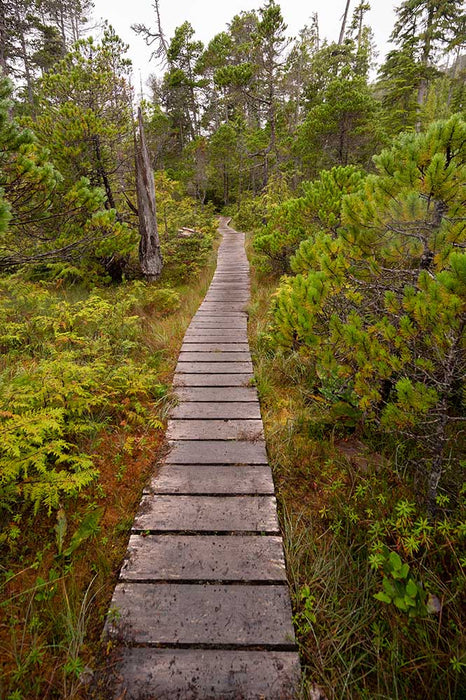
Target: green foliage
254,212
399,587
184,253
342,129
342,503
69,369
379,300
88,527
294,221
425,30
85,112
43,219
305,617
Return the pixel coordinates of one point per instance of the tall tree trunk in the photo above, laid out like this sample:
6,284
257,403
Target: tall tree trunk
426,51
110,203
343,23
25,59
3,35
150,256
456,63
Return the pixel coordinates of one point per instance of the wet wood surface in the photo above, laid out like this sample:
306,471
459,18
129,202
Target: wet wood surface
202,607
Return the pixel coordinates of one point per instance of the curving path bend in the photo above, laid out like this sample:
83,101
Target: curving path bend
203,603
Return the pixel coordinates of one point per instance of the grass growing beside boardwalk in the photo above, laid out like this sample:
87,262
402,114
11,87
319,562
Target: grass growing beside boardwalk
377,587
84,394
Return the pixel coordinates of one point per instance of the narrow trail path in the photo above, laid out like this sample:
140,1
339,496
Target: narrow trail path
203,603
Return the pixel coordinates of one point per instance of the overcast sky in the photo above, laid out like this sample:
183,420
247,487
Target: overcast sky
209,17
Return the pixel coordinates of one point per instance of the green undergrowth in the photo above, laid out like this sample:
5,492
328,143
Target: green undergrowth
377,585
85,387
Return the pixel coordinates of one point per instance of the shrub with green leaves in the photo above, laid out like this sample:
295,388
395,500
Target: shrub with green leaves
379,302
289,233
399,587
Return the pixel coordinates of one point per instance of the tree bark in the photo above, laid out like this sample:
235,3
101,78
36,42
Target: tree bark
426,51
3,34
343,23
150,256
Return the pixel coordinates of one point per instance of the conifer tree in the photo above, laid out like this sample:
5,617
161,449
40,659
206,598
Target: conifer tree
180,84
302,218
42,218
380,306
85,116
425,31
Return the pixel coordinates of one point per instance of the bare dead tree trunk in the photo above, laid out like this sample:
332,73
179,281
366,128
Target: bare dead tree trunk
157,38
3,34
150,256
343,23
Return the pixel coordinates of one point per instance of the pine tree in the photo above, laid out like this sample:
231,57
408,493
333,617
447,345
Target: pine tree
85,116
342,126
424,32
288,240
42,218
180,84
380,304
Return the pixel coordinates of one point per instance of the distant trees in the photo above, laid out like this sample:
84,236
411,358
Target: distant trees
35,34
254,103
426,31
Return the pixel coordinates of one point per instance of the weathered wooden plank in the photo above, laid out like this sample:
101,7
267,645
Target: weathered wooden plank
211,335
204,314
223,394
221,306
217,410
230,290
218,285
202,614
160,513
204,674
210,357
232,323
214,367
236,335
215,429
212,379
215,347
233,277
234,285
204,558
216,452
219,322
226,297
224,305
212,479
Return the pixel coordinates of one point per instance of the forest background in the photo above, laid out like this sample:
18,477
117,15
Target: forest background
352,191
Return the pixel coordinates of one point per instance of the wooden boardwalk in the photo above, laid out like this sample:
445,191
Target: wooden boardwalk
203,609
